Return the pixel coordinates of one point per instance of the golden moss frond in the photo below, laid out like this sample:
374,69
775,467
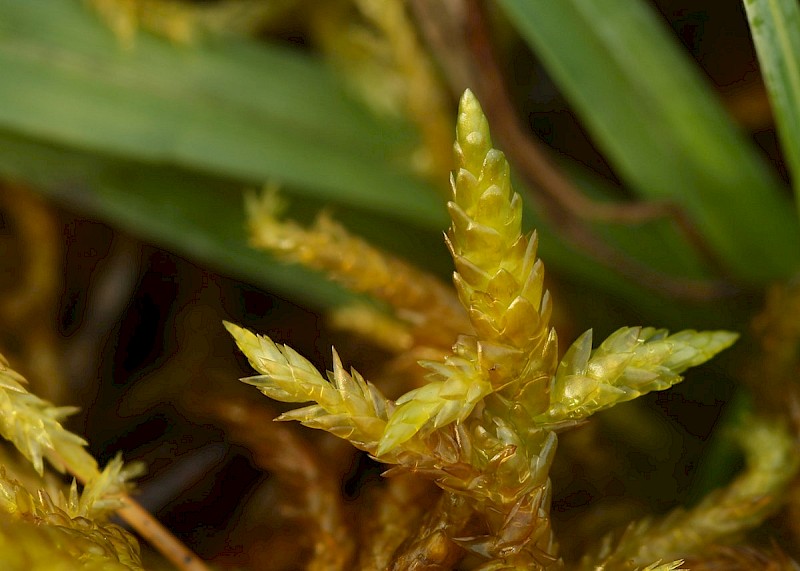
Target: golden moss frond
417,297
34,427
367,321
104,493
484,426
742,558
500,283
346,404
432,545
309,486
404,502
455,387
33,262
86,538
27,546
772,463
633,361
498,277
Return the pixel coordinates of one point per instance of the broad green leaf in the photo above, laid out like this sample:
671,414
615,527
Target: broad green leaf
237,108
203,218
668,138
195,216
775,25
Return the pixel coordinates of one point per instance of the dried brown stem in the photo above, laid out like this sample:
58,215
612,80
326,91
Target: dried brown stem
160,537
147,526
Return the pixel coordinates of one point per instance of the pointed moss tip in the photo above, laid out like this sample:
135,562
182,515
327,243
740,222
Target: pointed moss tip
384,447
469,103
390,440
472,127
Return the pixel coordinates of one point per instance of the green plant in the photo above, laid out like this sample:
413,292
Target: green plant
484,425
651,203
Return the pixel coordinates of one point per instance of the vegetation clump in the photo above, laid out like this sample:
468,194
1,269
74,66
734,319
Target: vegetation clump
484,422
142,120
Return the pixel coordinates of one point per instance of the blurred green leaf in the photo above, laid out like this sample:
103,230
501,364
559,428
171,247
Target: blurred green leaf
665,133
775,25
202,217
236,108
196,216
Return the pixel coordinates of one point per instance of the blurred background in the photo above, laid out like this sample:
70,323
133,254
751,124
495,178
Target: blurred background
641,138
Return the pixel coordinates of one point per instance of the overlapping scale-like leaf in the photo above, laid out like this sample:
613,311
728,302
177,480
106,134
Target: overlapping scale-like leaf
498,277
633,361
346,404
34,427
499,281
455,387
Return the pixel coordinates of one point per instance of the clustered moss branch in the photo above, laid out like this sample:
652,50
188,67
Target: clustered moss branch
755,495
483,427
34,427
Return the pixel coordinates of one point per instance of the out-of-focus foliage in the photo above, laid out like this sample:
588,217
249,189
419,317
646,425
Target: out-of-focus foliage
71,530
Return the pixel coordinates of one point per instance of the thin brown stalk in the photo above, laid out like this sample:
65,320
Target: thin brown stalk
163,540
724,515
416,297
148,527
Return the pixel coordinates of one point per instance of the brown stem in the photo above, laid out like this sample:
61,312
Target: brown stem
141,520
532,160
163,540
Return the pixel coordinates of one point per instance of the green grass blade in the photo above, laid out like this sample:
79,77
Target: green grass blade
236,108
202,218
195,216
664,132
775,25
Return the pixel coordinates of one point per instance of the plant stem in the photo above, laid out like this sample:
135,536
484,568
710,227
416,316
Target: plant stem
163,540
